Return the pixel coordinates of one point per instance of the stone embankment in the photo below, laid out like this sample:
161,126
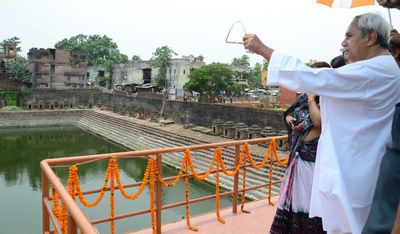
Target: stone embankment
139,134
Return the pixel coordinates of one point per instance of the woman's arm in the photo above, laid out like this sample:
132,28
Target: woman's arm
289,118
313,107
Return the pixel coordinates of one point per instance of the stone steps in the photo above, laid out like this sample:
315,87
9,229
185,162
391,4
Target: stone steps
139,137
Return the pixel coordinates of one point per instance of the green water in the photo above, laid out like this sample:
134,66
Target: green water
22,149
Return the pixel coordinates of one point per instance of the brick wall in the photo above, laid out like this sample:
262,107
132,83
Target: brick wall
5,83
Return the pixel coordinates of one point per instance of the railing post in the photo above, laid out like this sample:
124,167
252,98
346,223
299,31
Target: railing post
159,195
72,227
236,181
45,213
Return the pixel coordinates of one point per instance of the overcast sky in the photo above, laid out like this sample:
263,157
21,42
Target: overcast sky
296,27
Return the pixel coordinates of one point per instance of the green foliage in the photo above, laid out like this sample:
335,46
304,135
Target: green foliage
241,62
12,40
103,80
19,70
265,65
10,99
261,105
100,49
160,60
212,79
254,78
135,58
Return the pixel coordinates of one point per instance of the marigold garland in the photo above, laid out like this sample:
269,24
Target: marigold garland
194,173
56,208
187,197
152,175
141,187
151,186
284,162
271,163
178,177
112,199
217,196
243,199
102,191
222,164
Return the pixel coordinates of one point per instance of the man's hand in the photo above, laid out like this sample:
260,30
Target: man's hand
389,3
254,44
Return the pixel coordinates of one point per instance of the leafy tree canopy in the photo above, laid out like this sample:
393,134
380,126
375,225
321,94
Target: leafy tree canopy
213,79
101,50
255,76
265,65
160,60
241,62
135,58
12,40
18,67
19,70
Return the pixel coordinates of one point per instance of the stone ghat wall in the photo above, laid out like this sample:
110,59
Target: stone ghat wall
60,99
201,114
44,117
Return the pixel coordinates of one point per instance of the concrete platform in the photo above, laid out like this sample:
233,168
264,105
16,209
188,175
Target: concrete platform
257,222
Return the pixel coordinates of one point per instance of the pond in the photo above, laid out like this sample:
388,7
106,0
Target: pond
22,149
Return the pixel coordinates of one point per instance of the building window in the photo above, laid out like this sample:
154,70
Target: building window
53,68
184,71
101,73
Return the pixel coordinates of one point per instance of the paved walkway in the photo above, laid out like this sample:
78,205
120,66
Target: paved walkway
257,222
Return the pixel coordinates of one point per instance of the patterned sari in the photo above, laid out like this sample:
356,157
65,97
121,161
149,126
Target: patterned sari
295,195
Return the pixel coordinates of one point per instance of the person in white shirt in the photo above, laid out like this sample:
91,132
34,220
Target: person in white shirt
357,104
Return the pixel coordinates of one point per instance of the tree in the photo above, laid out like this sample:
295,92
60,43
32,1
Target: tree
241,62
18,66
212,79
11,40
255,76
160,60
265,65
19,70
101,50
135,58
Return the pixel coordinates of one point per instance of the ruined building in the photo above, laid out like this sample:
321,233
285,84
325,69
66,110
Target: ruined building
9,53
55,68
141,72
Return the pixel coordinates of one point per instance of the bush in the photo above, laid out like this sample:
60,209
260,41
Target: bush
10,99
261,105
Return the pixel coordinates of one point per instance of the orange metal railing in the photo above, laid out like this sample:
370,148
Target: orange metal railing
75,219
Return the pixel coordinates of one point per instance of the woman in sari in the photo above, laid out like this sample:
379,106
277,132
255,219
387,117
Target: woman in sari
303,121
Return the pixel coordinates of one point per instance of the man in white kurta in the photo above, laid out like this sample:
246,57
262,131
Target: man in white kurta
357,104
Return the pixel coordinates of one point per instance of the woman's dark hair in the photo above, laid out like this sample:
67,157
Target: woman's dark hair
338,61
320,65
